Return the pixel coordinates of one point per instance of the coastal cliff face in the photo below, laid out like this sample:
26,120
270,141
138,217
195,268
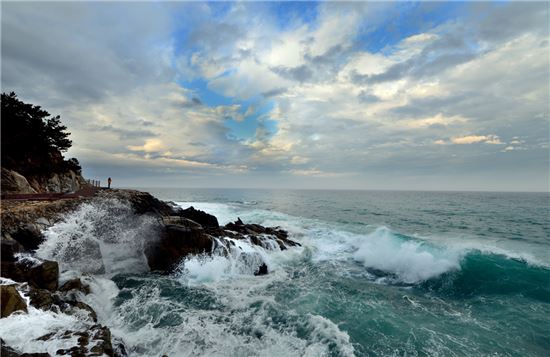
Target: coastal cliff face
60,182
124,224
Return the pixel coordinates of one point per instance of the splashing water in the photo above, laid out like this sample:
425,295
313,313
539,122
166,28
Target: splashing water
100,237
351,289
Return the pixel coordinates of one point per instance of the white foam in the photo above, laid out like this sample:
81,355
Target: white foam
230,258
21,330
411,261
103,236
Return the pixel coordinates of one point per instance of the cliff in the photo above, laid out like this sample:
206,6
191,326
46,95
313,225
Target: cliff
54,182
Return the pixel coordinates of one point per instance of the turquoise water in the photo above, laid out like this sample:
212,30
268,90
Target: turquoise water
380,274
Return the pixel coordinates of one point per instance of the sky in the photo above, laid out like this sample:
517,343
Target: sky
320,95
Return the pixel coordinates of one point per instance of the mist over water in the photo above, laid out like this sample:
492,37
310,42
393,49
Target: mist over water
378,273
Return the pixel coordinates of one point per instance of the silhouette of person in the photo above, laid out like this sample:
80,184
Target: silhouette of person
109,182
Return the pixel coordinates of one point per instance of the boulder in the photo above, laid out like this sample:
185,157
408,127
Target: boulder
82,306
44,299
204,219
38,273
262,270
10,300
28,235
9,247
75,284
45,275
15,183
175,243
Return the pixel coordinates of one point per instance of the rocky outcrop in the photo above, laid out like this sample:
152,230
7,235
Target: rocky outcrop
10,300
176,242
204,219
42,274
255,231
14,182
58,182
68,181
75,284
95,341
181,232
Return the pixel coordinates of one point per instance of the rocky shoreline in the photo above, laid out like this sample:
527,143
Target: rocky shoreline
28,281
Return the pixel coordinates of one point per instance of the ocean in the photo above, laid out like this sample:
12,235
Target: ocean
379,273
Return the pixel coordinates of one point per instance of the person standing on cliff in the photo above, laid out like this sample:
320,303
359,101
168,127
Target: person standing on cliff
109,182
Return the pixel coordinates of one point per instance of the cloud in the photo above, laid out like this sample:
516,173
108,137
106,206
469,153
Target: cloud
474,139
332,92
150,145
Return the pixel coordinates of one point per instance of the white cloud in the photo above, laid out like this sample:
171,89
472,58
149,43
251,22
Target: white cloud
474,139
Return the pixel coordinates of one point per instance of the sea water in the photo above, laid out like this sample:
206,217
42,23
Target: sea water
378,274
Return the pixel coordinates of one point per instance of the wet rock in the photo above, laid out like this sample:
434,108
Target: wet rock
82,306
175,243
29,235
38,273
204,219
10,352
262,270
9,247
142,202
103,345
45,275
44,299
255,231
75,284
94,342
180,221
10,300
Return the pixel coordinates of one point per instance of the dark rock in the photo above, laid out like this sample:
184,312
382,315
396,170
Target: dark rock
44,299
180,221
204,219
10,300
80,305
103,338
75,284
29,235
254,231
46,275
262,270
142,202
10,247
175,243
38,273
94,342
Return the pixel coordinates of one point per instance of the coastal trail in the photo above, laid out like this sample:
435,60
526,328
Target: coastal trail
53,196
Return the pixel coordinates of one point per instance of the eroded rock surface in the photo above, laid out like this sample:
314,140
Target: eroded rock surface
10,300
